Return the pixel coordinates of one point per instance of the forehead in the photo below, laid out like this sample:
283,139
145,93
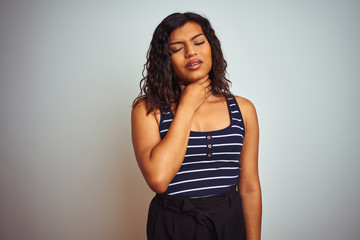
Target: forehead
186,32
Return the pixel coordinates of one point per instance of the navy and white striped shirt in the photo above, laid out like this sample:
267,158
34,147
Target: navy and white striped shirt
211,164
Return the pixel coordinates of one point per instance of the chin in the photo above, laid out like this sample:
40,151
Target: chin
196,77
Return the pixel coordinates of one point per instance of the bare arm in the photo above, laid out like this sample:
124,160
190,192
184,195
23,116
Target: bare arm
249,184
159,160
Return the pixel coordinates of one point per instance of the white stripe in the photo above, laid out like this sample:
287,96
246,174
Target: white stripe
166,112
165,130
204,196
197,154
228,135
232,104
202,179
220,153
236,119
234,111
230,98
196,146
212,161
207,169
197,137
167,120
237,127
227,144
196,189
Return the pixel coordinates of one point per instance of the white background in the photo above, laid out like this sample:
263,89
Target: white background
69,71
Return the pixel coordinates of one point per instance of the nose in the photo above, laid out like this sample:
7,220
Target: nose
189,51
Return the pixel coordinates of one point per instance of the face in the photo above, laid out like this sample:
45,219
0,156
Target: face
190,53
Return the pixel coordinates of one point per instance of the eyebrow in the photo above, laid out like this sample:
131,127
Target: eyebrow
191,39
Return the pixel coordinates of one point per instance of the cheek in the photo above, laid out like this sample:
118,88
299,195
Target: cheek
208,55
209,59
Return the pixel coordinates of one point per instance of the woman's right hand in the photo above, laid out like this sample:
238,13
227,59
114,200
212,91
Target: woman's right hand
194,94
160,159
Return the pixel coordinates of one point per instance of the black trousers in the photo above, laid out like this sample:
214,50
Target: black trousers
212,218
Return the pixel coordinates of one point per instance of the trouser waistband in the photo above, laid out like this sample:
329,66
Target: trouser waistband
210,204
201,209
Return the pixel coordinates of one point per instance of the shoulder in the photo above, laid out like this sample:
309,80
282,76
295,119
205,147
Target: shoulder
139,110
245,103
247,109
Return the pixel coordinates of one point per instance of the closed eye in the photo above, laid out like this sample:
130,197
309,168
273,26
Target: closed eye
175,50
200,43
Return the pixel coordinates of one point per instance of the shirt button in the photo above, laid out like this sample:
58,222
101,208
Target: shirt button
209,154
208,137
209,146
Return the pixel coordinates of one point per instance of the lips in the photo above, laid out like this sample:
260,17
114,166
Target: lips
193,64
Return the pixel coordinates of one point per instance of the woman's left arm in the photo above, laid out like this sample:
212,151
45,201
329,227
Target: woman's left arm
249,184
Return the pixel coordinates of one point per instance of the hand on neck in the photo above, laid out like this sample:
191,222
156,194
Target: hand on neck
183,84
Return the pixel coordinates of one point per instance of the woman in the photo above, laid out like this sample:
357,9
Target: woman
190,138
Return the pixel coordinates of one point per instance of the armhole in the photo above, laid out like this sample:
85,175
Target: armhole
229,99
242,123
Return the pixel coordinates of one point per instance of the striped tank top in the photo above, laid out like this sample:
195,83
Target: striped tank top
211,163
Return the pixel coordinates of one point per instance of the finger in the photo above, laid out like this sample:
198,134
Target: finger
204,79
208,90
208,94
205,82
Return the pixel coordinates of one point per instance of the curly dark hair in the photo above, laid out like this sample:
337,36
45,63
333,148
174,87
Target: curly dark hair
159,85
